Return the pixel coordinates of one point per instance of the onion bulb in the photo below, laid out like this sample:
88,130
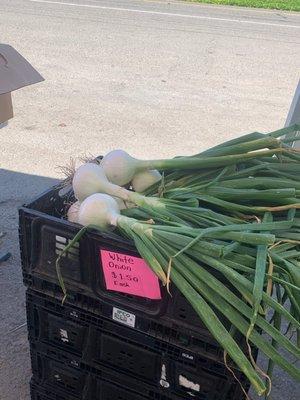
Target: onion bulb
143,180
72,214
100,210
90,178
120,202
119,167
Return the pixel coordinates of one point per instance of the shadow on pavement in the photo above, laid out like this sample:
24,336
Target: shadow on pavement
16,188
19,187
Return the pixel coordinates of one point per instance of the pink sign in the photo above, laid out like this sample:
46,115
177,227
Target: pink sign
128,274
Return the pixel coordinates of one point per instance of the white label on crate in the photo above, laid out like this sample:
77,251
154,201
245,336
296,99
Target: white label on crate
124,317
64,335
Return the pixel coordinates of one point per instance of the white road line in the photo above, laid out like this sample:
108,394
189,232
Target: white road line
241,21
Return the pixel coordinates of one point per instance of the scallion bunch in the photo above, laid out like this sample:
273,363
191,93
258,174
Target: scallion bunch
223,227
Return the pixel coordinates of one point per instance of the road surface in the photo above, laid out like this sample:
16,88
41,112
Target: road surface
155,78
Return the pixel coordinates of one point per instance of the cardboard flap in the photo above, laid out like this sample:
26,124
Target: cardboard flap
15,71
6,109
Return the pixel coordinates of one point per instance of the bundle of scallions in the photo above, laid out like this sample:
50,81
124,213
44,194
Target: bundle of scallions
222,226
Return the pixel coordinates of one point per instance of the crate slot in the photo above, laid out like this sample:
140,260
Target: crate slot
61,239
111,392
130,358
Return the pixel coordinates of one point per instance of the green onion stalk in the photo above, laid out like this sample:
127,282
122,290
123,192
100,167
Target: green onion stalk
246,143
191,274
246,192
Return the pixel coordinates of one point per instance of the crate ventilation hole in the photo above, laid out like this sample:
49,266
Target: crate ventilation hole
187,384
163,377
61,242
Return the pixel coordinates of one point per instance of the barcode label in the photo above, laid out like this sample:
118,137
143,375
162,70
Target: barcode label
124,317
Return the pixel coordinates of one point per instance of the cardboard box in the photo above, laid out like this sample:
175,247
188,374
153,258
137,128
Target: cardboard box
15,73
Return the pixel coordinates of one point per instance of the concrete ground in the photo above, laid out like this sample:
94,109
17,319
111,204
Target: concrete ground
155,78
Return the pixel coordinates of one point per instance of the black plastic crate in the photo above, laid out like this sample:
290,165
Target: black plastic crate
43,233
55,379
98,341
63,372
86,308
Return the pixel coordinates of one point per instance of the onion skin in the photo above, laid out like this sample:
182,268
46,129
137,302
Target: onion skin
143,180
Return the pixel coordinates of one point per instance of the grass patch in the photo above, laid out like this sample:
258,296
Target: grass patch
287,5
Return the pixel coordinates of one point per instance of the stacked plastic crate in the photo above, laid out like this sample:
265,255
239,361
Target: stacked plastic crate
102,344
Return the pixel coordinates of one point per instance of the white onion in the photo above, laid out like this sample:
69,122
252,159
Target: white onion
100,210
120,202
90,178
87,180
72,213
143,180
119,167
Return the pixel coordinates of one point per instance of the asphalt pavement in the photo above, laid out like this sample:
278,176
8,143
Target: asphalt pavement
155,78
